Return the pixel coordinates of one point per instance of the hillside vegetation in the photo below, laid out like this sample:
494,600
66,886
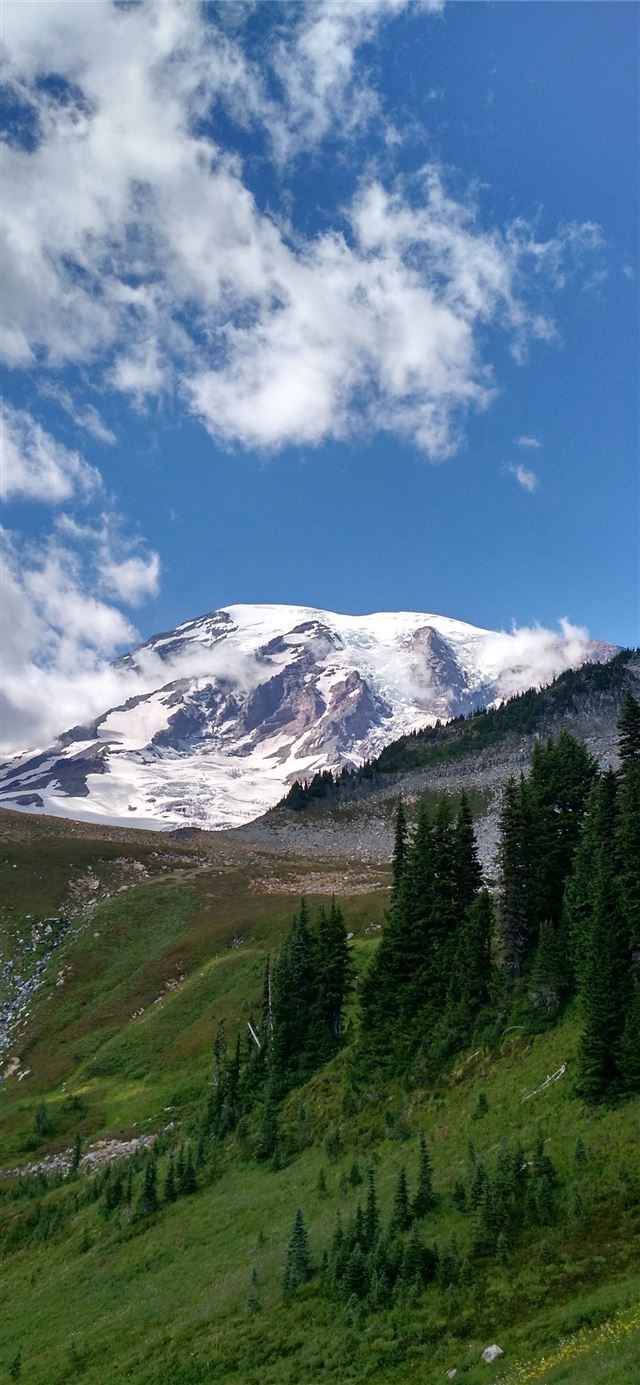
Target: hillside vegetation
426,1142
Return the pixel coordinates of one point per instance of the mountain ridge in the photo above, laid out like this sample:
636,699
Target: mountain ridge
221,714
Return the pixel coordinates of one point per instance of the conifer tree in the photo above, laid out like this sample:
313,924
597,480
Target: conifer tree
298,1266
629,730
424,1198
188,1182
77,1154
517,875
472,966
334,972
269,1128
605,989
148,1201
371,1213
468,869
399,846
401,1213
170,1190
628,848
548,985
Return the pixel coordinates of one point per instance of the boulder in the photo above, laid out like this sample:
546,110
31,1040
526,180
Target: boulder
451,1375
492,1353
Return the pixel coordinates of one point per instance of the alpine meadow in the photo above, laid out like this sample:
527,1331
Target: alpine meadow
320,695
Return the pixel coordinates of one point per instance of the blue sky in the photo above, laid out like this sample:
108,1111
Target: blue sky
323,304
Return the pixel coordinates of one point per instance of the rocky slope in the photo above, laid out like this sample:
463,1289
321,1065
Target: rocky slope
218,716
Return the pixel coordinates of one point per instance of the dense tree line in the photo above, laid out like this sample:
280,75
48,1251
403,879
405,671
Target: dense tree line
568,921
432,972
300,1028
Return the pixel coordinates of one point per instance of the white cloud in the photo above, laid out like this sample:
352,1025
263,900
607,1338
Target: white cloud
85,416
132,243
36,467
132,580
525,477
530,656
530,442
121,565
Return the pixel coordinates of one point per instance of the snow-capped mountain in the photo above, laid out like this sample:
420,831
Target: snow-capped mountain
218,716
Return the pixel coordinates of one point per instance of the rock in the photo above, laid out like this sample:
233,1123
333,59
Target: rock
451,1375
492,1353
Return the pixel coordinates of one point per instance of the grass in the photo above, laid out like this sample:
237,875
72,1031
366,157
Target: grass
165,1301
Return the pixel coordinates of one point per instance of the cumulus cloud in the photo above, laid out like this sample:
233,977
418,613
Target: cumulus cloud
34,466
59,640
525,477
531,656
121,565
528,442
132,241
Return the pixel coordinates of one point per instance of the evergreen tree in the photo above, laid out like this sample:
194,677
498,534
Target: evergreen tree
628,1053
517,875
468,869
401,1213
334,971
148,1200
548,985
472,967
562,773
629,730
628,850
605,989
77,1154
170,1190
298,1266
424,1199
269,1128
371,1213
188,1183
399,846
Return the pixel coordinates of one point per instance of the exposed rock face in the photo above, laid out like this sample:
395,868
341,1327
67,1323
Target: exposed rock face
218,716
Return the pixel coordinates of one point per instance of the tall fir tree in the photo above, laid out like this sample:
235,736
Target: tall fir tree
424,1199
298,1265
399,846
468,869
629,729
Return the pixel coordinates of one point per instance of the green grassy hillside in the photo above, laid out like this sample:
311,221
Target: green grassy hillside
118,1042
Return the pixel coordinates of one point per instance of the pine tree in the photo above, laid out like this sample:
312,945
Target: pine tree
628,850
424,1199
628,1053
371,1213
605,989
77,1154
334,972
548,985
468,869
269,1128
170,1190
253,1301
517,875
148,1201
472,967
321,1185
298,1266
401,1213
629,730
399,846
188,1182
